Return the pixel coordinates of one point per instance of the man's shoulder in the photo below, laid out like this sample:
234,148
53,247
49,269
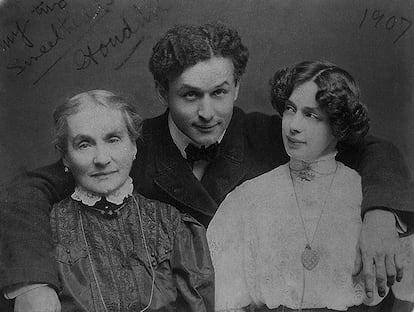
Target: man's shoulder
154,123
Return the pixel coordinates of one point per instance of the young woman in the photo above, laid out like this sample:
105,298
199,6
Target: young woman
115,249
286,240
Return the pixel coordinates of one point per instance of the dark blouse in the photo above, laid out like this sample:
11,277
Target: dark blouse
118,270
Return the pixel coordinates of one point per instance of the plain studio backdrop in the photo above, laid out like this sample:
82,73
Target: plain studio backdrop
51,50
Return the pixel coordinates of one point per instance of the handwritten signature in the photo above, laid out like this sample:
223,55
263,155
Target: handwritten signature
88,56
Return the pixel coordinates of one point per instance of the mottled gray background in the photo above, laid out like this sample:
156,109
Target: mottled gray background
44,58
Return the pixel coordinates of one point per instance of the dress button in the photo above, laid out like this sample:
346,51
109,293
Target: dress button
153,254
153,263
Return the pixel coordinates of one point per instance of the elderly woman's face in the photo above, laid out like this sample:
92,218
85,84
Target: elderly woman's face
100,152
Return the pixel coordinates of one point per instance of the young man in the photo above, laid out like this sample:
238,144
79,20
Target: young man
192,156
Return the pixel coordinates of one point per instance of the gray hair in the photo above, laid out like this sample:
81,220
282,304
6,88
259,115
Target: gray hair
105,98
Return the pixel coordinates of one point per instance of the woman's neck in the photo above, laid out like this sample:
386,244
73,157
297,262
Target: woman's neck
116,197
307,170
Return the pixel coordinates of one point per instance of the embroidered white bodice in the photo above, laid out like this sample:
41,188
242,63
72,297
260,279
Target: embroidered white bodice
256,239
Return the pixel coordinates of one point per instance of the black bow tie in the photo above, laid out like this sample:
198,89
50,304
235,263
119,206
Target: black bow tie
208,154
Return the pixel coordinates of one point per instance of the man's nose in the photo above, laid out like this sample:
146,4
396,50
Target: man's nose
205,109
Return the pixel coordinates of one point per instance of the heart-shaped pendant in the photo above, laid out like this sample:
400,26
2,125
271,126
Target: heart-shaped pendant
310,258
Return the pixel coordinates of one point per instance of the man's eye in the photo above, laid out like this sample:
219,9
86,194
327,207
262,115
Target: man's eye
220,92
190,95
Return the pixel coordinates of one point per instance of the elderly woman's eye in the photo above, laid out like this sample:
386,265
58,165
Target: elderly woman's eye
83,145
114,140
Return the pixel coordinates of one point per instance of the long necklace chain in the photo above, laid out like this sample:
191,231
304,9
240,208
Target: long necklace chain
321,213
146,249
308,252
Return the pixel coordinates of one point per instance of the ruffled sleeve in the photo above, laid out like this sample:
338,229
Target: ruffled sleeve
192,268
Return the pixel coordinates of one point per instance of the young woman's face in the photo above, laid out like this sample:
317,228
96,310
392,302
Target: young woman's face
307,134
100,152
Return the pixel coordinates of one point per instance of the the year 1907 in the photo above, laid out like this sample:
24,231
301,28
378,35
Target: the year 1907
398,24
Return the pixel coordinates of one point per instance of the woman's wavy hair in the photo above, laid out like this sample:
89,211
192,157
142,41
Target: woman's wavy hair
338,95
69,107
185,45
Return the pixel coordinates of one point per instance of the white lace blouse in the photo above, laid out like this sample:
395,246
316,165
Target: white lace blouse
257,237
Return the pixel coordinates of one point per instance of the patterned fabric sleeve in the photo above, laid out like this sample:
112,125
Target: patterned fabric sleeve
192,268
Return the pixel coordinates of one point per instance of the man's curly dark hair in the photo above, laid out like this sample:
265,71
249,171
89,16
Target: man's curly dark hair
338,95
186,45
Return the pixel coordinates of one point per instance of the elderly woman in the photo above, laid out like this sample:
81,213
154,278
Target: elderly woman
115,249
286,240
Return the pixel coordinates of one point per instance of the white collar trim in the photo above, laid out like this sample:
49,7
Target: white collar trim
116,197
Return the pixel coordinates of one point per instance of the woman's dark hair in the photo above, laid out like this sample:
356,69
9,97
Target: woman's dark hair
133,120
338,95
186,45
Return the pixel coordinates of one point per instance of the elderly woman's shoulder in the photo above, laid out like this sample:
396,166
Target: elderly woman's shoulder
161,212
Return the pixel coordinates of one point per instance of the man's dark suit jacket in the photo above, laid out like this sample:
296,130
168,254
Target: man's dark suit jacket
251,146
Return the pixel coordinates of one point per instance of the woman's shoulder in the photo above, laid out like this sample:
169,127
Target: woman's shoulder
161,212
64,205
348,175
262,183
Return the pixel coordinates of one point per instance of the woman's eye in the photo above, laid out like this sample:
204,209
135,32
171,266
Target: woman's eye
83,145
289,108
312,115
114,140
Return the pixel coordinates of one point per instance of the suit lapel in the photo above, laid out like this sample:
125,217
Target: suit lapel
224,174
175,177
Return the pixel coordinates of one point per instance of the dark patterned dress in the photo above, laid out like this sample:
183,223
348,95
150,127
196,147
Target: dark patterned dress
105,264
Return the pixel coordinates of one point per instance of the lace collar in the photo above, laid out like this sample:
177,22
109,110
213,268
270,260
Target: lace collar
117,197
322,166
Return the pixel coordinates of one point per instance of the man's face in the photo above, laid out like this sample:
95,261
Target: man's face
201,99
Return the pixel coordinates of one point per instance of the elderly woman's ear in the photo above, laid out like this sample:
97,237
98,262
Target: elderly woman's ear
65,164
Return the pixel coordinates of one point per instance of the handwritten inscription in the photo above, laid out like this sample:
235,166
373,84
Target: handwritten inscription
92,54
86,58
58,31
398,24
63,26
19,32
42,8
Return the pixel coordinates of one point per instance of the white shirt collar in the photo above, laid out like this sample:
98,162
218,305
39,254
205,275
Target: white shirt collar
116,197
180,139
